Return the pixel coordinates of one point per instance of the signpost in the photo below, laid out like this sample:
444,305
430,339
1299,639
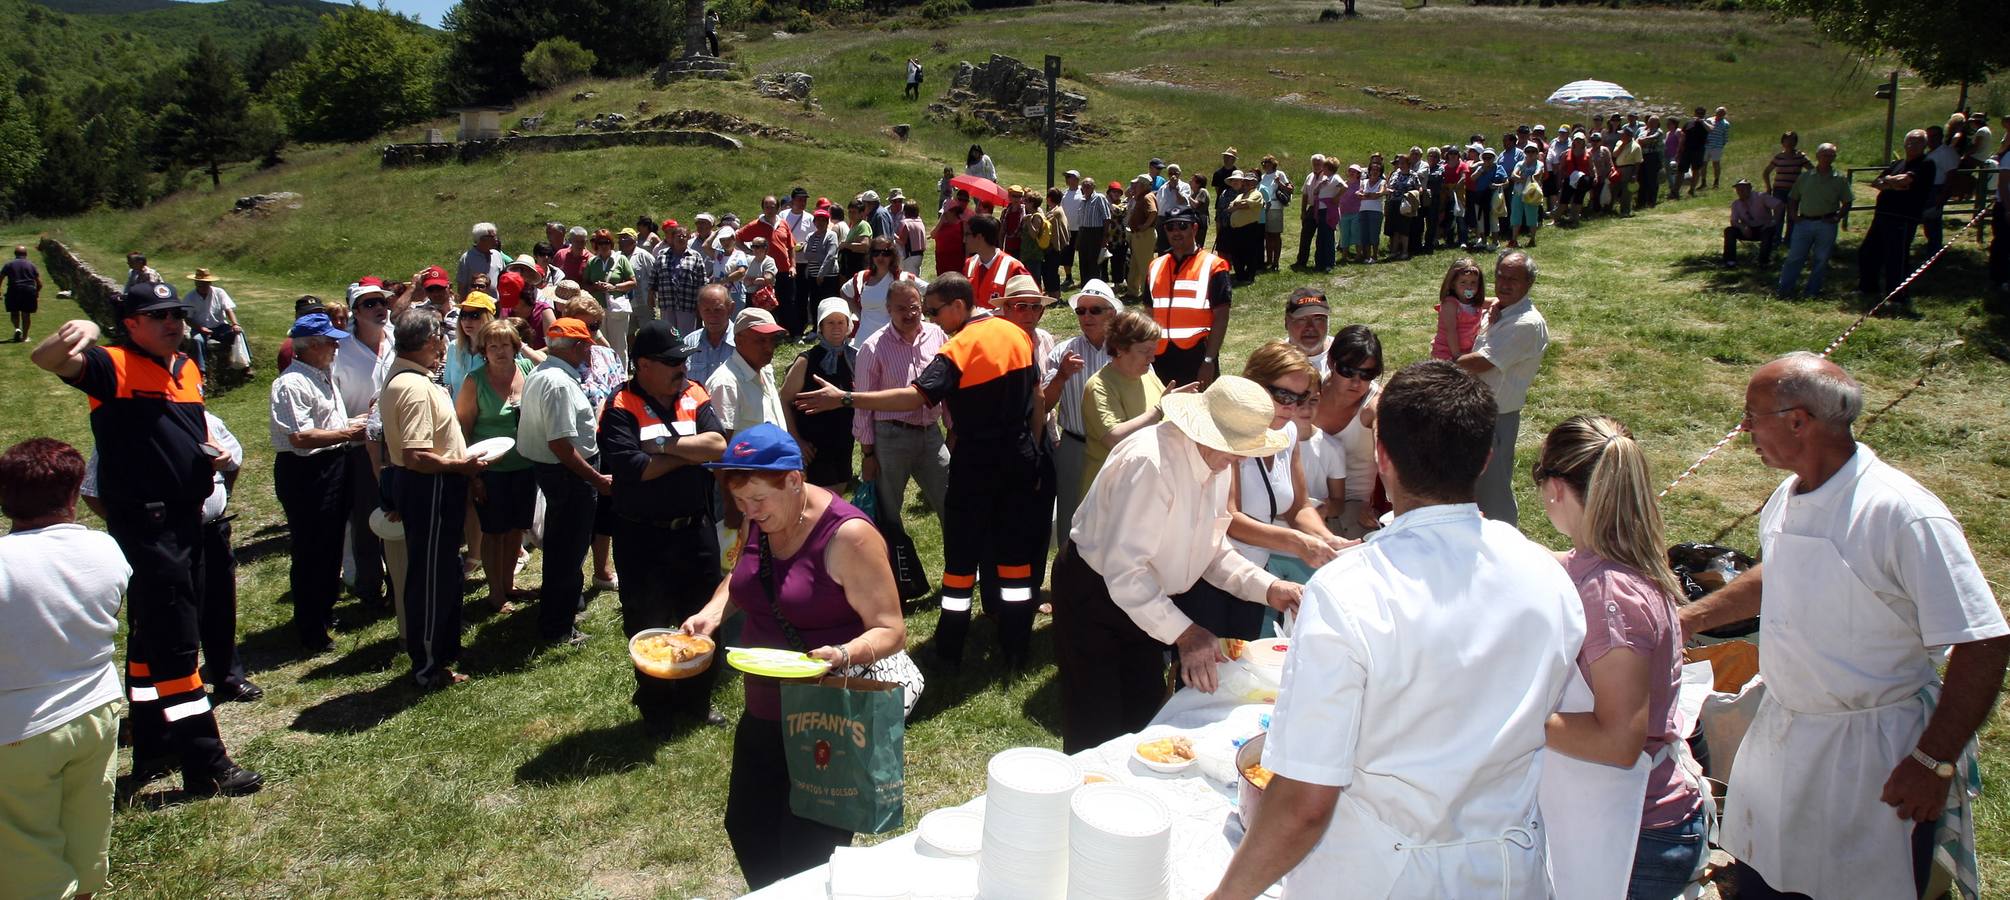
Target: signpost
1053,81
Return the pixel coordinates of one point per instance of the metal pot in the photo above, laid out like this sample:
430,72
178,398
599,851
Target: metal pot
1247,795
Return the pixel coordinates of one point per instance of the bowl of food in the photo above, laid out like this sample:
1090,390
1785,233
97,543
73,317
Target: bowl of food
1167,755
1253,780
670,653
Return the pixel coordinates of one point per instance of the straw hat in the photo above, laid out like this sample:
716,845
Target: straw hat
1233,416
1026,287
202,275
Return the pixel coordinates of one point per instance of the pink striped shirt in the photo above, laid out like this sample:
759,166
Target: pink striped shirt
886,361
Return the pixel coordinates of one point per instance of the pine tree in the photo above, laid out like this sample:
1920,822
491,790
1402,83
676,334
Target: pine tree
208,121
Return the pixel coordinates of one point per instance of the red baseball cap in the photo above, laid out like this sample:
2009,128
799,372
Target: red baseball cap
669,224
1116,186
370,281
434,276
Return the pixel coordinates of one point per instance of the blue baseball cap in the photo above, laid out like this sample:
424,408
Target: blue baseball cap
763,447
316,324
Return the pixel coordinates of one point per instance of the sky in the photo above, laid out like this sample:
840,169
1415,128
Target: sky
427,11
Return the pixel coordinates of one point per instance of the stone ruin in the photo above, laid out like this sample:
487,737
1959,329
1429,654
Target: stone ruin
1010,97
785,85
264,204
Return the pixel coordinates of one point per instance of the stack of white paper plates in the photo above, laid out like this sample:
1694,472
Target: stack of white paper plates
1118,837
1025,855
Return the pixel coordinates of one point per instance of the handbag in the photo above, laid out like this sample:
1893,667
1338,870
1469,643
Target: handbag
896,668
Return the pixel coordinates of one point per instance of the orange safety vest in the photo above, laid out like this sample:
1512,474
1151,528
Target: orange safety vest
988,283
648,426
1179,297
141,378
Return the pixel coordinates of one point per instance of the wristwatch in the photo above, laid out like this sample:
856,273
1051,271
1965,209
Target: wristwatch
1941,769
847,399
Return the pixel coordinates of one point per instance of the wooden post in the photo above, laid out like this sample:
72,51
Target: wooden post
1053,89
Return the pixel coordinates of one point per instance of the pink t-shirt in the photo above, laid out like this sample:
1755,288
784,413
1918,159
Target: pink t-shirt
1624,609
1469,317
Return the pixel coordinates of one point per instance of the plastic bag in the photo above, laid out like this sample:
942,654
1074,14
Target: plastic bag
240,353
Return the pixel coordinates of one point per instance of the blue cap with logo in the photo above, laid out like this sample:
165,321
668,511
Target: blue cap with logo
147,296
763,447
316,324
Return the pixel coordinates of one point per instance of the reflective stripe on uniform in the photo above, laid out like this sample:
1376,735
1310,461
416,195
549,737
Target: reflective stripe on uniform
182,711
1180,302
144,694
1015,594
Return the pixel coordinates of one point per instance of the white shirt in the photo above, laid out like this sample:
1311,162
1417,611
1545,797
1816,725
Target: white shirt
1071,204
743,397
1945,161
1514,343
871,299
304,397
1424,665
1154,522
63,585
1316,356
1266,505
1068,408
356,371
555,406
644,264
210,314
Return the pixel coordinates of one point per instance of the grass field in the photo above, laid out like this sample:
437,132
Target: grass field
533,781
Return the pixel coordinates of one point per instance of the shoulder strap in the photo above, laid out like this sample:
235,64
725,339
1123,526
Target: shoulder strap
766,573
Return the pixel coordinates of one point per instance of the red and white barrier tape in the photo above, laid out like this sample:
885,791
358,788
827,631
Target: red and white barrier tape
1738,429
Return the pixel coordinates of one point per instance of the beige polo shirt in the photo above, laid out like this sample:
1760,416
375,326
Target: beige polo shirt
417,415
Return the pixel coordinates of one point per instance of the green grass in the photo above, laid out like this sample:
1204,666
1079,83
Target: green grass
532,780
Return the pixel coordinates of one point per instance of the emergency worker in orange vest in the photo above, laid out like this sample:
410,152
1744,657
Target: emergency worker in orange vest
157,467
989,266
1190,288
655,431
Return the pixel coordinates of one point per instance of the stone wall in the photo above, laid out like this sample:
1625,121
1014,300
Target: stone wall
96,295
395,155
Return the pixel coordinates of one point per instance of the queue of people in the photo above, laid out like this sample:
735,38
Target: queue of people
1374,520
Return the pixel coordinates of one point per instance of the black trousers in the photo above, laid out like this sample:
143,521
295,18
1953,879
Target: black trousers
1113,674
770,842
1753,886
1245,250
1177,365
218,623
569,507
786,310
314,493
171,715
1881,260
434,510
363,543
667,575
1651,165
992,510
1733,234
1089,253
1308,227
1223,614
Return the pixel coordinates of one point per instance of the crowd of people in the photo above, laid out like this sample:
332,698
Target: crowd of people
610,400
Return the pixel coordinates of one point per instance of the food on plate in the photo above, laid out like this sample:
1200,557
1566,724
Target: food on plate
1232,647
673,648
1095,778
1258,776
1168,751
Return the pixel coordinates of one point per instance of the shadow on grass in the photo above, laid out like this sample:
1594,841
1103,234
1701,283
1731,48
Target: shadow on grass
358,711
376,656
502,644
608,750
279,644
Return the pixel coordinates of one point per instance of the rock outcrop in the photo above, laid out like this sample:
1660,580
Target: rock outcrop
1010,97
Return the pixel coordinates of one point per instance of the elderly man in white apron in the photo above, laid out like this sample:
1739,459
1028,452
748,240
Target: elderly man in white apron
1407,739
1858,749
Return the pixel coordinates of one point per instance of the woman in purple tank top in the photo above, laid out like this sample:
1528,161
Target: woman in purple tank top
835,589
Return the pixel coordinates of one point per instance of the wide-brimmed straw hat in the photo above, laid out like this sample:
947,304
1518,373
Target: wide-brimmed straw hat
1233,416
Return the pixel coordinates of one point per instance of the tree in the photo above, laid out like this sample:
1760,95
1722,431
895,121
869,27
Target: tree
626,37
366,71
209,118
1946,42
556,61
273,53
66,180
20,150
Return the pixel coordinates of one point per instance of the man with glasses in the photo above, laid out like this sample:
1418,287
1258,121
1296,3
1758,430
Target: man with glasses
1859,745
1306,318
1066,371
897,446
1190,290
159,467
361,365
1506,355
712,343
988,378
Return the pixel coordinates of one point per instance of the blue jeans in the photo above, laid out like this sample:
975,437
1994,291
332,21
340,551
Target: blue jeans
1808,234
1666,858
1371,229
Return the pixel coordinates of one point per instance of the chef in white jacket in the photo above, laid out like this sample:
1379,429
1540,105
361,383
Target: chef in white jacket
1407,739
1857,748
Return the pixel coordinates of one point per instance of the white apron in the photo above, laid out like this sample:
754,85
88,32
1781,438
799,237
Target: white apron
1803,805
1592,814
1384,863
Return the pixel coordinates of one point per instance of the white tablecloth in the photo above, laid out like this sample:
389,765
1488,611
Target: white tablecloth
1204,832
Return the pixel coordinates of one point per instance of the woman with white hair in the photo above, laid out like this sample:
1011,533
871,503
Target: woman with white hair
825,437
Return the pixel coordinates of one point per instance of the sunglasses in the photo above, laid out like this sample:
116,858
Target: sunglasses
933,311
1023,306
882,252
473,313
1086,311
160,315
1289,398
1363,374
371,303
1178,226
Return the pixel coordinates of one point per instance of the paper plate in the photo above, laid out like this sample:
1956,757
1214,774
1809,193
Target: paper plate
385,529
957,832
493,448
776,663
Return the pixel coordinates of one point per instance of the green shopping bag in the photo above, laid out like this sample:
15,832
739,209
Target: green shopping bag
845,741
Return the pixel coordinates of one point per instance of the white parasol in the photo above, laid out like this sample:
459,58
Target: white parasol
1589,91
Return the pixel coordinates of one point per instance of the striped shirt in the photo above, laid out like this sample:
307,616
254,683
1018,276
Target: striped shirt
1787,169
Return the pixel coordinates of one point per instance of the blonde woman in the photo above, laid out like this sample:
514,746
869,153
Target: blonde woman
1123,396
1272,519
1596,489
486,402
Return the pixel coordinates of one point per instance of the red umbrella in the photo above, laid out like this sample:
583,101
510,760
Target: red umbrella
981,189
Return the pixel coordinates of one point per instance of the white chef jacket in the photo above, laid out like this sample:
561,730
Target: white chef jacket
1865,577
1423,668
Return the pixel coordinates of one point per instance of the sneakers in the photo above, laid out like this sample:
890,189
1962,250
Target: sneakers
232,780
607,584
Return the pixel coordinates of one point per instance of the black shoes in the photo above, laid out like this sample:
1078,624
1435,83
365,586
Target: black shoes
237,692
576,639
232,780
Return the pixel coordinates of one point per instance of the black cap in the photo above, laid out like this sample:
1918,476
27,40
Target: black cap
145,296
800,191
658,340
1184,215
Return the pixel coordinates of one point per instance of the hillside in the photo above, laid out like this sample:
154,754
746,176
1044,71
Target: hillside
533,780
